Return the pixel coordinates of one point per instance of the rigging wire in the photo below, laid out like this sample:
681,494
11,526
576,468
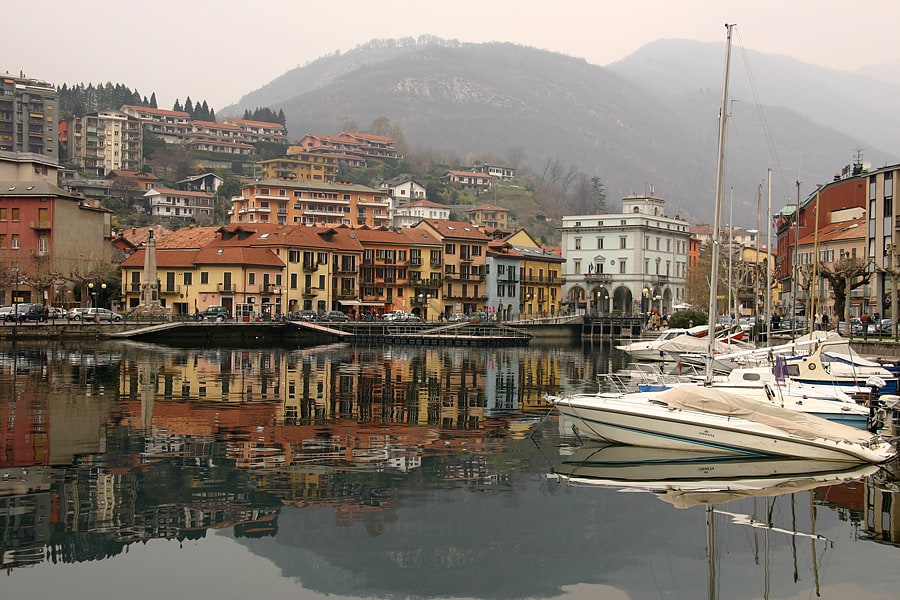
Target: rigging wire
767,132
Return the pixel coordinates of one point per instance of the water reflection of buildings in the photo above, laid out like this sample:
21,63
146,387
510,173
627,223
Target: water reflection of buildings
147,443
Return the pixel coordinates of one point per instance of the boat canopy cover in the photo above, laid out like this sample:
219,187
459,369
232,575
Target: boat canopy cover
715,401
694,345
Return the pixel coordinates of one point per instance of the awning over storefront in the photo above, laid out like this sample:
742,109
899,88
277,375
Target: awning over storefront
360,303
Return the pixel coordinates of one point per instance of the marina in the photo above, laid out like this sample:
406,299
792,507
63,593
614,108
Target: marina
308,471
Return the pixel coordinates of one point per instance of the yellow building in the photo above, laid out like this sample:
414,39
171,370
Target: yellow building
541,275
300,165
465,258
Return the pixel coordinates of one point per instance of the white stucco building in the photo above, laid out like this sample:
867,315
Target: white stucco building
628,262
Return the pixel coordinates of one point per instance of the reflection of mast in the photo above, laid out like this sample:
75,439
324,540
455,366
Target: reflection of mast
711,550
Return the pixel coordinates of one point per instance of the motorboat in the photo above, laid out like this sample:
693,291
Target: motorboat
648,350
834,362
685,478
703,418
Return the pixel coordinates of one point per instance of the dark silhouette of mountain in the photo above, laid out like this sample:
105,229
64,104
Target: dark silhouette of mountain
650,119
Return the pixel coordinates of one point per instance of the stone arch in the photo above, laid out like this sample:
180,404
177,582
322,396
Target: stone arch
622,300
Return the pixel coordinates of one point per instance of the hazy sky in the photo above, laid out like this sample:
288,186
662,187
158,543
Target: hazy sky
215,52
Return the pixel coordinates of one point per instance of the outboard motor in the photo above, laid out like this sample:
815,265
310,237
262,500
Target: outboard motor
876,415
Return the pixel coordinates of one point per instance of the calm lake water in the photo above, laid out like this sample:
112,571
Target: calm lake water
139,471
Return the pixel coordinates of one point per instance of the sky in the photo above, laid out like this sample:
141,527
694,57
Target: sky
211,50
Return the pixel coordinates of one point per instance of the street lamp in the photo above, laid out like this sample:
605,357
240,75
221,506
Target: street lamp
94,290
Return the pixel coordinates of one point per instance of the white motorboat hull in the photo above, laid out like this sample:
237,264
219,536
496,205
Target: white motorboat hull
636,420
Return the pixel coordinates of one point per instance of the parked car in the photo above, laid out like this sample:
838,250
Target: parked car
6,313
478,317
885,326
458,318
395,316
31,312
76,313
306,315
213,313
333,315
55,312
100,314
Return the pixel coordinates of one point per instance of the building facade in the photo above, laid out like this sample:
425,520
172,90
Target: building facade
631,262
50,241
28,116
309,203
105,141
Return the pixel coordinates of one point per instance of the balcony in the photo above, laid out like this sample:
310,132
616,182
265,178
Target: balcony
38,225
309,292
347,295
310,266
601,278
170,289
226,287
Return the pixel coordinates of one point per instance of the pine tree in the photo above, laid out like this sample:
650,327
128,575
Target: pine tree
189,107
153,100
177,106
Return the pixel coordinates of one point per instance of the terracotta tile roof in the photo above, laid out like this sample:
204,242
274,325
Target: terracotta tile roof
470,174
455,229
188,237
380,236
425,204
367,136
238,255
135,174
137,236
170,192
487,207
256,123
419,237
214,125
173,259
159,111
854,229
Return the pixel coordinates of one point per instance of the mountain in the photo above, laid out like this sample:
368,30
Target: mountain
650,119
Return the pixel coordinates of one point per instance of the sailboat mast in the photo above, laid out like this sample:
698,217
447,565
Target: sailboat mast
769,260
717,228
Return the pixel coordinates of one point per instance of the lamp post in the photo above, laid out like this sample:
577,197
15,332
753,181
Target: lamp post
94,290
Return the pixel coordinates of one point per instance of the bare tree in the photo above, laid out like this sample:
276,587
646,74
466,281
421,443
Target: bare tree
844,275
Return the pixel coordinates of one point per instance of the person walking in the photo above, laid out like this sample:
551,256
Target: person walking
824,321
865,319
818,321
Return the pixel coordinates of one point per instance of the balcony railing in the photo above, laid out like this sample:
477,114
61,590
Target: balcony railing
307,292
41,225
227,287
170,289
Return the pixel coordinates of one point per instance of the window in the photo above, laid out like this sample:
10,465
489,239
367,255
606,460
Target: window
188,278
2,214
450,249
622,242
204,277
600,243
14,241
578,243
15,214
2,241
621,266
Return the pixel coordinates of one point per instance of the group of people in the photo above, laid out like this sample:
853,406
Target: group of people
655,321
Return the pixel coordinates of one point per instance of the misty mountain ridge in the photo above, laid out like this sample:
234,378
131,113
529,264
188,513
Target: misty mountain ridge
649,119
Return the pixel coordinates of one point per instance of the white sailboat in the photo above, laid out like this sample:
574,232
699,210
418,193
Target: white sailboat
704,418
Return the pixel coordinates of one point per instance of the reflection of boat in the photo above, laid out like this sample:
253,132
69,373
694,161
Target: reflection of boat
688,478
703,418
